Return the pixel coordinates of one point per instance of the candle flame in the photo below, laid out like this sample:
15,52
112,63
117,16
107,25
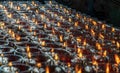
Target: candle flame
103,26
94,23
70,20
18,8
118,44
107,68
45,26
79,71
68,64
2,55
47,69
98,46
94,62
28,48
43,43
113,29
65,44
84,43
37,11
61,38
10,64
86,27
117,59
101,36
18,37
79,51
28,8
92,32
29,55
76,24
53,31
56,57
13,34
34,33
39,65
58,24
78,39
105,53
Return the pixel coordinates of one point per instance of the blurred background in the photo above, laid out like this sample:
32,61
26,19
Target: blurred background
104,10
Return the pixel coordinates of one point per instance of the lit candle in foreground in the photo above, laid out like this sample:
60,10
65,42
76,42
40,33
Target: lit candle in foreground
10,65
47,69
107,68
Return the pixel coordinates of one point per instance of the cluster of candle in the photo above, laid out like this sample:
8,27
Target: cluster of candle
53,38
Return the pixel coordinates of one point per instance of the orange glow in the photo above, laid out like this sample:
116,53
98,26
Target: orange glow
79,71
19,27
101,36
117,59
103,26
47,69
56,57
9,15
61,17
92,32
107,68
94,23
18,8
78,39
79,51
18,37
76,24
53,31
39,65
28,8
34,33
28,48
84,43
118,44
113,29
68,30
94,62
65,44
30,29
2,55
61,38
9,31
70,20
29,55
98,46
86,27
105,53
58,24
37,11
52,50
33,19
43,43
10,64
68,64
13,34
45,26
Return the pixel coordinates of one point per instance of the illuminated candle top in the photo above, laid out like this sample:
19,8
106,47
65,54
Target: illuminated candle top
29,55
56,57
18,37
105,53
43,43
117,58
39,65
28,48
61,38
76,24
58,24
98,46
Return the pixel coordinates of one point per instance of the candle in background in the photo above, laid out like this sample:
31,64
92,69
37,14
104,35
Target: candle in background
105,53
43,43
76,24
118,45
103,27
39,65
92,32
98,46
18,37
58,24
2,55
28,48
61,38
117,59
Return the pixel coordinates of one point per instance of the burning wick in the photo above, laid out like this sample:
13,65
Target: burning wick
29,55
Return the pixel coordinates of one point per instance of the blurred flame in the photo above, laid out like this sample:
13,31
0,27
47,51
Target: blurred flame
94,22
13,34
76,24
118,44
79,51
61,17
43,43
19,27
105,53
39,65
53,31
92,32
10,64
84,42
101,36
58,24
103,26
70,20
117,59
61,38
113,29
45,26
78,39
18,37
98,46
37,11
28,8
65,44
28,48
2,55
86,27
29,54
18,8
79,71
107,68
47,69
56,57
34,33
68,64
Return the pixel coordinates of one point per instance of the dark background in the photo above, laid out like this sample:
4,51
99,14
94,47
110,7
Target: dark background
104,10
